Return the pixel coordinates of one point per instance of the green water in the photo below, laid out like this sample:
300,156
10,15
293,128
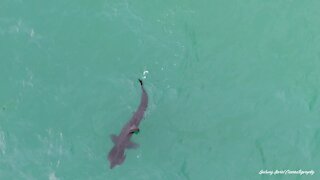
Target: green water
233,88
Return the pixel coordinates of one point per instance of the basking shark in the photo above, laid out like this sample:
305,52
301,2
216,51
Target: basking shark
122,141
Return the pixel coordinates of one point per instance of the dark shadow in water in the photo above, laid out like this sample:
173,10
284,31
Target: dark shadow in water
183,170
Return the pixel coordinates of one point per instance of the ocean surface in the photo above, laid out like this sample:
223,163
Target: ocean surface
233,86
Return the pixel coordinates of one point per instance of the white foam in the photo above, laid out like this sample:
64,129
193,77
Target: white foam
58,163
145,72
2,143
52,176
32,33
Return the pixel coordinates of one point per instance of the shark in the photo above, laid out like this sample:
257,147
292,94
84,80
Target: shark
122,141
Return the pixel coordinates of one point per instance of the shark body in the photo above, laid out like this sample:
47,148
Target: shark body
122,141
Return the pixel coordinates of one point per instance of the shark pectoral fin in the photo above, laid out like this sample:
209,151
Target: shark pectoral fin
132,145
114,138
134,129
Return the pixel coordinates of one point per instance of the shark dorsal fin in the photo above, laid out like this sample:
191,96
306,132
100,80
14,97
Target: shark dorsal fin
134,129
114,138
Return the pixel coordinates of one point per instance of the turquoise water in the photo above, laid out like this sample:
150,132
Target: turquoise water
233,87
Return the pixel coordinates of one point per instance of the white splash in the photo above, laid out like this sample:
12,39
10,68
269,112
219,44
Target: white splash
58,163
52,176
28,82
145,72
32,33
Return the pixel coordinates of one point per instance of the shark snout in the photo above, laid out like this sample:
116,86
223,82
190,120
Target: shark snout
112,165
116,156
116,162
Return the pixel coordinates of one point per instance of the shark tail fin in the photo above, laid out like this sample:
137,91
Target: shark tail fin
114,138
141,83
